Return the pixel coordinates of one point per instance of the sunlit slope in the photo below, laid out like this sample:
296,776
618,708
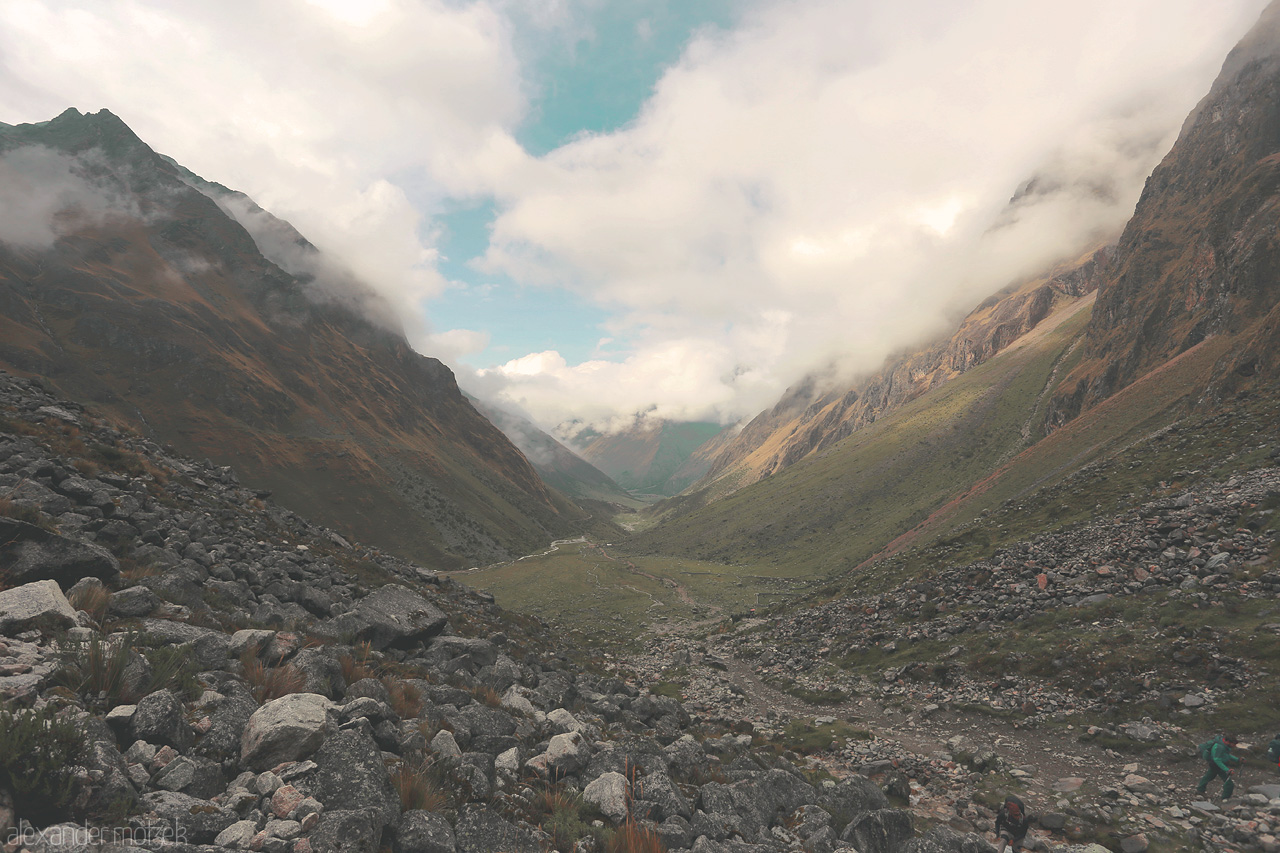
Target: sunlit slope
831,511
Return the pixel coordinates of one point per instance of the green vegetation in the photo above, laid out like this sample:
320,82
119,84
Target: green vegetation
37,752
611,598
123,668
806,738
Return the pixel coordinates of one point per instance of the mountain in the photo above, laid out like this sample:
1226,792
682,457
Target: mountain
1162,350
557,465
823,410
653,457
187,311
1200,258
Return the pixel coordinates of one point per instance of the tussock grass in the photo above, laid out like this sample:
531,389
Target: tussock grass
420,785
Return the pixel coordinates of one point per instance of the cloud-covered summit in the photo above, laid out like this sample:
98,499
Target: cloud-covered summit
817,182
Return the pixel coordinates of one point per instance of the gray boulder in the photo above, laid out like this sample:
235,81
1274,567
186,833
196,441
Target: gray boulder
31,553
38,605
192,775
392,615
944,839
424,832
657,788
286,729
479,830
880,831
194,820
161,719
350,772
348,831
608,793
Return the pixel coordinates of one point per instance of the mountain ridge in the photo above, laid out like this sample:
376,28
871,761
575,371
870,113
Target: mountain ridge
148,298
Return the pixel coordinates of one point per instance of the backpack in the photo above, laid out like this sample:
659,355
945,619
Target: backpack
1206,748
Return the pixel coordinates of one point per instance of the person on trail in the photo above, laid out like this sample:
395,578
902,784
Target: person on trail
1217,753
1273,752
1012,823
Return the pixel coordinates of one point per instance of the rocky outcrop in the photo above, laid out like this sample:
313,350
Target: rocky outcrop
824,409
1199,258
213,735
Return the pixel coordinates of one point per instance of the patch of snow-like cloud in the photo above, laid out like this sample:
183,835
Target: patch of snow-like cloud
45,194
838,168
347,119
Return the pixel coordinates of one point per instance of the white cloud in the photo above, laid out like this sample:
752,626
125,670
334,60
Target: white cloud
839,165
323,112
817,183
45,194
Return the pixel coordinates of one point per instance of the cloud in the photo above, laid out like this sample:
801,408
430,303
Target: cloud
350,120
821,183
45,194
825,181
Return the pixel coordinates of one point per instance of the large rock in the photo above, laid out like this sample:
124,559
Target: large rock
195,821
392,615
286,729
39,605
944,839
31,553
479,830
657,788
350,772
608,793
348,831
567,754
880,831
424,832
194,775
853,797
161,719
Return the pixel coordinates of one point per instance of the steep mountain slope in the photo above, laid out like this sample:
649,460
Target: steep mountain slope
1201,256
559,467
128,286
839,505
822,410
1183,342
651,458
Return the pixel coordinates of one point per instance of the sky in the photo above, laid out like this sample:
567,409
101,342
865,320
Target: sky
598,210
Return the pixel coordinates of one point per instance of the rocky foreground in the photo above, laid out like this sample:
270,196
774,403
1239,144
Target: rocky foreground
1079,670
184,666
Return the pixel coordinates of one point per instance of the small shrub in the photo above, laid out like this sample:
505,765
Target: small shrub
358,666
37,751
93,600
96,669
420,785
271,682
173,668
487,696
563,820
406,701
631,837
133,570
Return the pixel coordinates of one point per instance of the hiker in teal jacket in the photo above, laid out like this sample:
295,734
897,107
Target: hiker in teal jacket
1217,753
1273,752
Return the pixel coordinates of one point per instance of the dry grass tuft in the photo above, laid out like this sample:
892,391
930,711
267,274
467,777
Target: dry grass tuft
420,785
360,665
631,837
93,600
406,701
487,696
271,682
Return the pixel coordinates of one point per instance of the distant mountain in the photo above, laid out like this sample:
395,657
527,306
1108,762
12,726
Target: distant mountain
189,312
1163,351
652,457
1201,256
823,410
559,467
